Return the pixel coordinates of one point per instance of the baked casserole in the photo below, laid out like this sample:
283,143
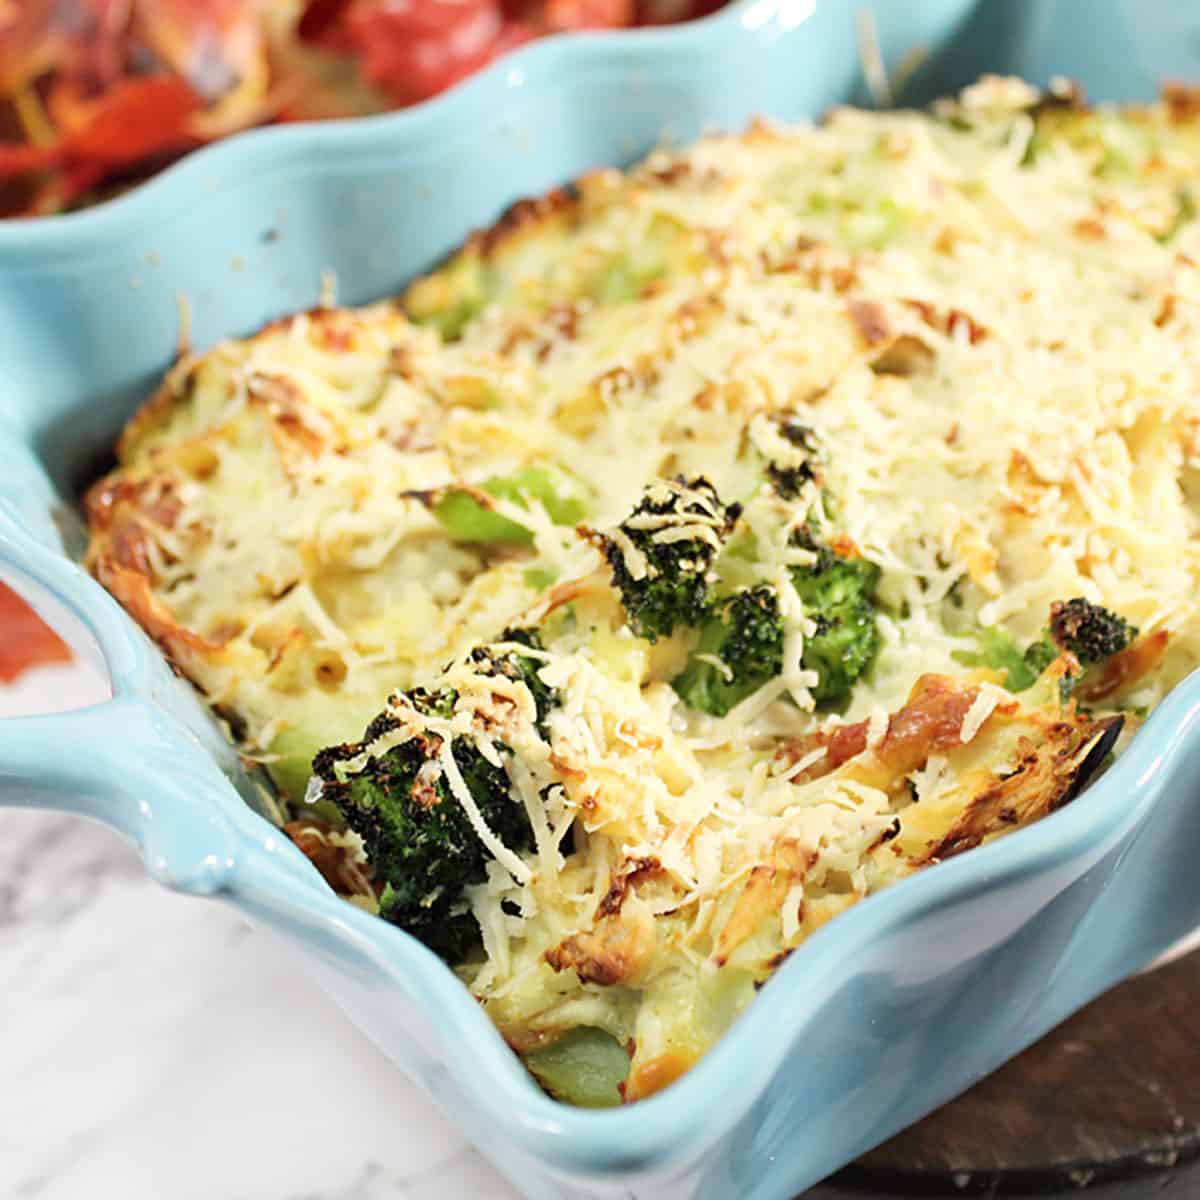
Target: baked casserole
699,550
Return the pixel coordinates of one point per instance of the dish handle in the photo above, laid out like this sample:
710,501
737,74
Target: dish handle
133,761
129,766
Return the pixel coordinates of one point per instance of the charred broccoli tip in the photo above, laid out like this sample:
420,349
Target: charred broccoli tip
788,478
661,554
418,839
1088,631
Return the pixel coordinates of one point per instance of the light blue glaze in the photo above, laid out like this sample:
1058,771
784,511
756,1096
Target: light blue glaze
895,1007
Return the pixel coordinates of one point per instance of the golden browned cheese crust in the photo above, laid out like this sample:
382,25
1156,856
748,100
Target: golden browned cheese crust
987,317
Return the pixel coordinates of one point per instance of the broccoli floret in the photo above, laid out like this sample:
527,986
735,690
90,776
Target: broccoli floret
789,478
1088,631
838,594
417,836
664,582
745,632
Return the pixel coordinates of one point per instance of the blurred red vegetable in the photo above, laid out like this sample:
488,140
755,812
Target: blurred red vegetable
559,16
134,119
26,641
96,95
413,49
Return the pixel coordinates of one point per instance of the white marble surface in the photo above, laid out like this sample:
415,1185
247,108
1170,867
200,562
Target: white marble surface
153,1047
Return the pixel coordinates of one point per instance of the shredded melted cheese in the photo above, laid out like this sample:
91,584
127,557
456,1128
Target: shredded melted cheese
989,317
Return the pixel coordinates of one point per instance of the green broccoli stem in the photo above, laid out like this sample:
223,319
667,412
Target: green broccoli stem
584,1067
467,516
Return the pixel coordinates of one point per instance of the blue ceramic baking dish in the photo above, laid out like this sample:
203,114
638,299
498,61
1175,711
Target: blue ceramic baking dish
883,1015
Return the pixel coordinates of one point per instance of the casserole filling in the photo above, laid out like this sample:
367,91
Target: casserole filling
698,551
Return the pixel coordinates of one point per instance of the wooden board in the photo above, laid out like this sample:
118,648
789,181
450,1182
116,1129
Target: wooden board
1106,1106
